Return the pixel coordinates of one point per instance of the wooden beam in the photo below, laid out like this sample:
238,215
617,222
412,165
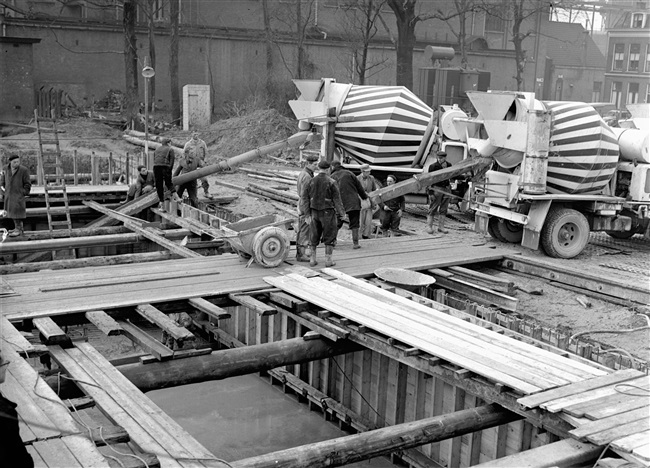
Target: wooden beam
209,308
371,444
145,340
14,338
567,452
258,306
104,322
51,332
475,292
156,317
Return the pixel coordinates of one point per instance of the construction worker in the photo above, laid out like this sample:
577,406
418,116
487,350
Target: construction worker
188,163
163,162
302,233
391,211
15,186
352,193
438,198
145,183
369,184
200,150
320,200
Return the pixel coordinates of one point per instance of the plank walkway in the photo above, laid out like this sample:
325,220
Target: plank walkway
56,292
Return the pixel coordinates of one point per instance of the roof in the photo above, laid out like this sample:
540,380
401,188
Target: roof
571,45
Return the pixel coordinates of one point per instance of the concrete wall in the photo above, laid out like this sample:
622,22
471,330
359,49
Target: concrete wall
16,76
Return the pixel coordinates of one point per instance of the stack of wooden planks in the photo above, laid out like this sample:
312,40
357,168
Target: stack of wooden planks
609,410
517,365
150,428
51,434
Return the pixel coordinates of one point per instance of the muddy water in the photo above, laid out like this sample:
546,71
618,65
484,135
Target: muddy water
243,417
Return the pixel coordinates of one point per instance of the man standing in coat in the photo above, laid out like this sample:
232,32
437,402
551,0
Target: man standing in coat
302,233
188,163
369,184
391,211
352,193
163,162
438,200
15,187
320,200
199,150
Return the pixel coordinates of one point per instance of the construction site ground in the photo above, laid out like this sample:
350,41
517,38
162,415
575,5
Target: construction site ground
627,261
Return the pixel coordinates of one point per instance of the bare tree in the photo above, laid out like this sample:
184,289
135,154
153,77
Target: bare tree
360,27
174,10
130,61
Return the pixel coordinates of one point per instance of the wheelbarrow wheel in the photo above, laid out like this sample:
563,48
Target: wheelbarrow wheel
270,246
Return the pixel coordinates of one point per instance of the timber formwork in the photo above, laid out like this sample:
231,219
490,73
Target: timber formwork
382,370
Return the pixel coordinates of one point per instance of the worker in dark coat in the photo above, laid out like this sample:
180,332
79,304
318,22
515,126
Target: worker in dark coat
352,193
302,232
320,198
391,211
12,449
190,162
369,184
163,162
145,183
439,195
16,186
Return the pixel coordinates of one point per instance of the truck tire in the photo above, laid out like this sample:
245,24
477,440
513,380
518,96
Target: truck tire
270,246
509,231
493,229
565,233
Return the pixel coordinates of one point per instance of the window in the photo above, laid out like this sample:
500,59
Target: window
647,58
158,10
617,93
647,94
632,93
497,22
637,20
595,92
619,56
635,54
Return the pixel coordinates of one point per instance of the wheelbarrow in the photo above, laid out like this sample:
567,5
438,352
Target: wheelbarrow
263,239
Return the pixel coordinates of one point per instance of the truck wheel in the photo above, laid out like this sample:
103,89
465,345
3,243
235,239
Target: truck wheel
511,232
270,246
493,229
565,233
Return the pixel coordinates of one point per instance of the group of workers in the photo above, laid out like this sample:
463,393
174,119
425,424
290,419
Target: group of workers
194,153
329,193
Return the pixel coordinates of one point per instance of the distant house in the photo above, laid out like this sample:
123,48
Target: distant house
627,74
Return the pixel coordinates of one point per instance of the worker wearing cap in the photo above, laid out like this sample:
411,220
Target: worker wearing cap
16,186
199,149
188,163
391,211
320,200
163,162
369,184
302,233
352,193
438,195
144,183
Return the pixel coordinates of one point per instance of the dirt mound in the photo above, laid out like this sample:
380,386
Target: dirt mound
230,137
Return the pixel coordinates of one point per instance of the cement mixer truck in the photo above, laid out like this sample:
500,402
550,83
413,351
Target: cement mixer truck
543,173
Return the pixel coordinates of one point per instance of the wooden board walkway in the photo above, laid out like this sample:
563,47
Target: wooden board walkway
517,365
150,428
611,410
49,293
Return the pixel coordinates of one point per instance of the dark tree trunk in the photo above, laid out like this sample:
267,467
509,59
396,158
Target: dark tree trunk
300,39
152,56
406,20
173,61
131,100
268,33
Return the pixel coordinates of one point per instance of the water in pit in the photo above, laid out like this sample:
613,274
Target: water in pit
242,417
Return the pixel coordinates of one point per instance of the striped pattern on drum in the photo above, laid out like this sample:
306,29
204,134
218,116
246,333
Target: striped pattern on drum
388,126
583,150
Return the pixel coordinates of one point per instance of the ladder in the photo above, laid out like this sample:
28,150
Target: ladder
50,168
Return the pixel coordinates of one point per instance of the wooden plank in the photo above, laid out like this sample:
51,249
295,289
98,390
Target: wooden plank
36,457
105,398
35,419
55,453
180,354
349,305
209,308
573,404
608,423
630,403
51,331
14,338
104,322
533,401
85,451
614,400
493,282
567,452
642,452
477,293
609,435
156,317
145,340
259,307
